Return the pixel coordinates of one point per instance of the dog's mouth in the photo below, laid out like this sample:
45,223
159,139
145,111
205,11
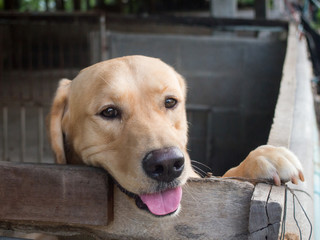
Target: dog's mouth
159,204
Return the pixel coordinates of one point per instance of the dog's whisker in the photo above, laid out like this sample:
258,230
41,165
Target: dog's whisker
200,170
199,173
202,164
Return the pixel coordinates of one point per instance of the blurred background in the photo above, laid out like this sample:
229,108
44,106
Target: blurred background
116,6
230,52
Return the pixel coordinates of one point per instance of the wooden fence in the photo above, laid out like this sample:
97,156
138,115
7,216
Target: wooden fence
69,200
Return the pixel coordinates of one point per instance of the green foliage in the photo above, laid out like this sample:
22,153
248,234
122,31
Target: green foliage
31,5
68,5
109,2
128,6
245,2
40,5
318,16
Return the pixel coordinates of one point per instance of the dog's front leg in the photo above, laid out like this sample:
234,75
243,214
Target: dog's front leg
268,162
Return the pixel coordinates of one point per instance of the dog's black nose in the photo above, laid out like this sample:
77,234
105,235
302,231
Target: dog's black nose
164,164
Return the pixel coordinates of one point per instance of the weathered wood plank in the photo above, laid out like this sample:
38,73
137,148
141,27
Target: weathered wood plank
68,200
210,209
266,211
294,126
258,211
53,194
275,204
280,133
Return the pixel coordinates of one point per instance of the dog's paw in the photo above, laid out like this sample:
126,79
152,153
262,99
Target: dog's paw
272,163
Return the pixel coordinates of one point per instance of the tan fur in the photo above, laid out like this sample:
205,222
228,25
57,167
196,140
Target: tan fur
56,113
138,86
269,162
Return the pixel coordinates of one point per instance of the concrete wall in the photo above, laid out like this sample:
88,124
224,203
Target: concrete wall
237,78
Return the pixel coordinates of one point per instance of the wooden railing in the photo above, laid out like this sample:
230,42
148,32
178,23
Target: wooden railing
68,200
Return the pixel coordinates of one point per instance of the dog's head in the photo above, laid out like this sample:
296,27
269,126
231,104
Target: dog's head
127,115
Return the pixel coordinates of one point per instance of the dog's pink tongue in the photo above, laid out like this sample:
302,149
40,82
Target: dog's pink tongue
163,203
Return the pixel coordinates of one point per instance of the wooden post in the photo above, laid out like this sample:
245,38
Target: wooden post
266,211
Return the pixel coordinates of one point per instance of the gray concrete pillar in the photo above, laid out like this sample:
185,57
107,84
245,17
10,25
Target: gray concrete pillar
224,8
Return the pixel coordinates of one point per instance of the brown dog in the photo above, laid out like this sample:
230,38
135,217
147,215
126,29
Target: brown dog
127,115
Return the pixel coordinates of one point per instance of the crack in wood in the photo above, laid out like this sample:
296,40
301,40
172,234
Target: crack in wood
266,211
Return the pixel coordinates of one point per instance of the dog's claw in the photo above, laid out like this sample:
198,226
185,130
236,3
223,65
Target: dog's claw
268,162
294,180
276,179
301,176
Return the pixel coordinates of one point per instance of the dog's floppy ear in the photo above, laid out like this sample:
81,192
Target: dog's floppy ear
55,120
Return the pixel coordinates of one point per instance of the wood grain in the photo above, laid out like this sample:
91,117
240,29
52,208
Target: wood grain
67,200
266,211
53,194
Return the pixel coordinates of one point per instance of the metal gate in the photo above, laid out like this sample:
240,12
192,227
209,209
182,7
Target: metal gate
35,52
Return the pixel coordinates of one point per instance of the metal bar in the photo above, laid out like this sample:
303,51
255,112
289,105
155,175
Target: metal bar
209,22
18,82
22,133
84,56
252,28
51,16
41,43
108,44
202,107
50,46
61,49
37,63
198,107
73,50
209,136
5,133
40,134
260,7
2,91
10,60
30,65
103,38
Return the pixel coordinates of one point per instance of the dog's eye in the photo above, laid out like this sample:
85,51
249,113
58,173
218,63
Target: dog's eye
170,102
110,113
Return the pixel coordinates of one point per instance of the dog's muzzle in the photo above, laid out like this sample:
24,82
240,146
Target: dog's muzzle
164,165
